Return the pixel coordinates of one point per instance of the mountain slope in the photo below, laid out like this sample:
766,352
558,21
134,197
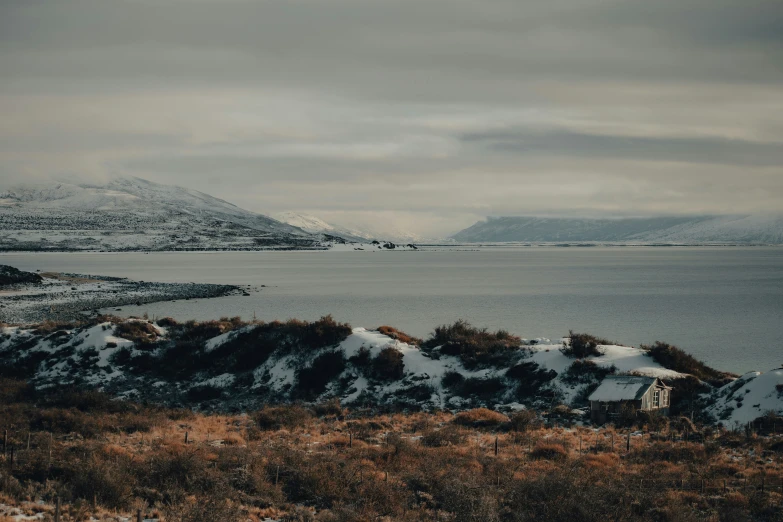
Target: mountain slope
135,214
315,225
749,229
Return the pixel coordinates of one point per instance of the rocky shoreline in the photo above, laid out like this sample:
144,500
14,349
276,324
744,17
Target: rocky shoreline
66,297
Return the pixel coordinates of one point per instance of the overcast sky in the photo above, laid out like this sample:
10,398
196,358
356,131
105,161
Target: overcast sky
422,114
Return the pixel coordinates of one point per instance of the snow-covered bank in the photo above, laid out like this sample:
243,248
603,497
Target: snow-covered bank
749,397
222,365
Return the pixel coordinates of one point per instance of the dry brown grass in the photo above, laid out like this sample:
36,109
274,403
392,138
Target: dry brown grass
404,467
480,417
398,335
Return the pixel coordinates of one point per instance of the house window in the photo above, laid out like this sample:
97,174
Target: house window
657,399
665,398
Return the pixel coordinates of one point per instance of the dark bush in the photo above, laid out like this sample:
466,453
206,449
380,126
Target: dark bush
388,365
452,379
530,378
476,347
362,359
583,371
313,380
581,345
483,388
676,359
204,392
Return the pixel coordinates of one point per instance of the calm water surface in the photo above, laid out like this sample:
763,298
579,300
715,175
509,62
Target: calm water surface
724,305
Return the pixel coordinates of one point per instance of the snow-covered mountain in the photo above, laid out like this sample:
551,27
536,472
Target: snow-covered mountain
744,229
134,214
315,225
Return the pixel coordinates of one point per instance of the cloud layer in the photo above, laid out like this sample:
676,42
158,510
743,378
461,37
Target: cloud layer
426,113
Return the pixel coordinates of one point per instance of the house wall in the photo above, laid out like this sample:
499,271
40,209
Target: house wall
599,415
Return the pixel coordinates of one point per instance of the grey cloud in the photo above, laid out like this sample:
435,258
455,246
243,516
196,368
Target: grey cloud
565,143
431,110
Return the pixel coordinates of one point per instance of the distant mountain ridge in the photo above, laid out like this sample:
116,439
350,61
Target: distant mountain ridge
129,213
316,225
738,229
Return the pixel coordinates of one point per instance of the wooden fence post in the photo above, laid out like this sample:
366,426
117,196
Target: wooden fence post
57,509
186,437
496,445
628,443
28,441
350,439
138,515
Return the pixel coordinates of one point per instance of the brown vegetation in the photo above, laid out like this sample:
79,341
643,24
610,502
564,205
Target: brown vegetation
678,360
476,347
286,463
581,345
398,335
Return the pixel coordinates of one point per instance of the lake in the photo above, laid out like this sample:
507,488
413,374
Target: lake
722,304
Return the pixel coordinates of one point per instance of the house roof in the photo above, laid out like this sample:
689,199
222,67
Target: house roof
622,388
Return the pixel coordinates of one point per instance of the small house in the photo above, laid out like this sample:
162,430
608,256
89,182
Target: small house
623,391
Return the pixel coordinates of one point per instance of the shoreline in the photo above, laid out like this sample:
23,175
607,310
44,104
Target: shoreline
69,297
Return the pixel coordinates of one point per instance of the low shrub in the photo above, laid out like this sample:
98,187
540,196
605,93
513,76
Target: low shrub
362,359
313,380
452,379
530,378
332,407
548,451
398,335
447,436
583,371
204,392
140,332
476,347
480,417
523,420
581,345
273,418
388,365
678,360
481,388
658,451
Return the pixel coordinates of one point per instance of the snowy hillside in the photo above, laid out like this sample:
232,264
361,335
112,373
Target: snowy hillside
135,214
316,225
749,397
753,229
227,365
